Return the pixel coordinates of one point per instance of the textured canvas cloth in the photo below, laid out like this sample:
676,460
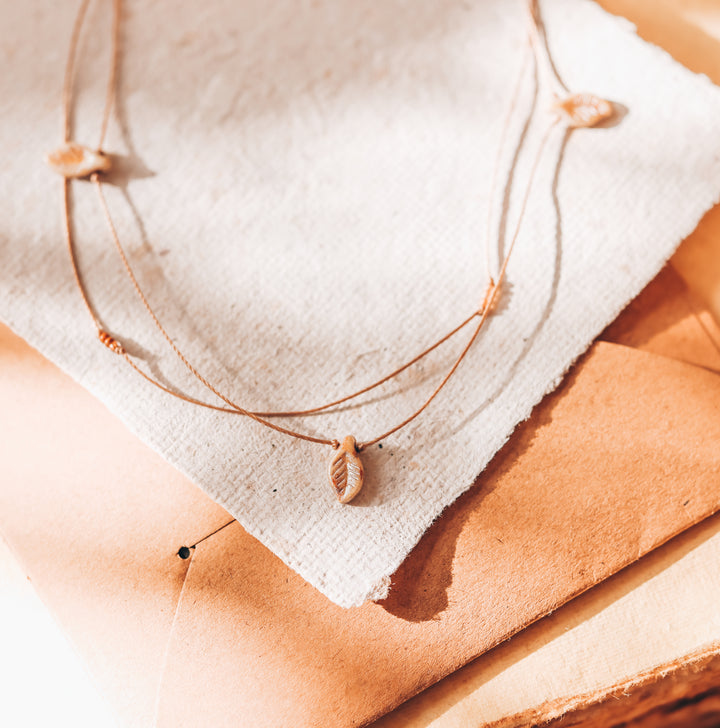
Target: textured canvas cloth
302,190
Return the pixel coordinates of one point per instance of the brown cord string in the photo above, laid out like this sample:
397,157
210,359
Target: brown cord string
117,347
70,69
539,45
112,76
259,417
498,157
274,413
67,230
490,298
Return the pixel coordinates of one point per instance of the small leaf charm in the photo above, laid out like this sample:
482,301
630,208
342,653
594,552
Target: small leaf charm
346,471
74,160
583,110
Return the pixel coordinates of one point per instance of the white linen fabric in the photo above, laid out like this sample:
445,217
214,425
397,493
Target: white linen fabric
302,189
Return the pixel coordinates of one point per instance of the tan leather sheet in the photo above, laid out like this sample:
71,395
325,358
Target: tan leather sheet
622,457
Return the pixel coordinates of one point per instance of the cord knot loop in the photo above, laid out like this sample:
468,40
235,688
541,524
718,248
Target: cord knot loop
111,342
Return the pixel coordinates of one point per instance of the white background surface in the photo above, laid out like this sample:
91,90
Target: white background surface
42,680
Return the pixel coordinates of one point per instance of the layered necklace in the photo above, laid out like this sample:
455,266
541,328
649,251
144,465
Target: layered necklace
74,161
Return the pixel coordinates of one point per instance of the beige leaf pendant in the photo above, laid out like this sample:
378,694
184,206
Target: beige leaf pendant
74,160
346,471
583,110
